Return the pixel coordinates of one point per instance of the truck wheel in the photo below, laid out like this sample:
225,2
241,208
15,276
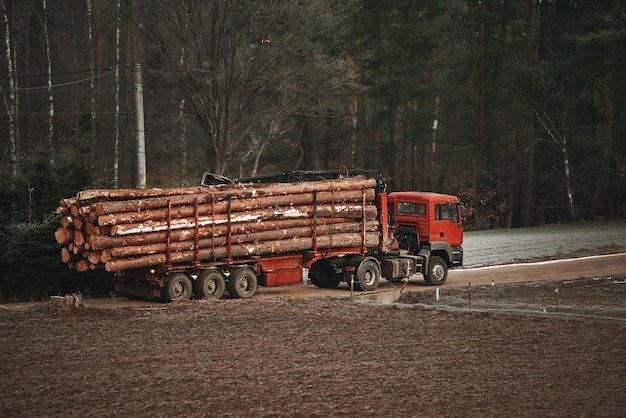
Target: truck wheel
210,284
437,272
177,287
242,283
367,275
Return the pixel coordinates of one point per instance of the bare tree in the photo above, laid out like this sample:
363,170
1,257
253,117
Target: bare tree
49,72
92,82
11,98
558,137
214,74
116,140
245,58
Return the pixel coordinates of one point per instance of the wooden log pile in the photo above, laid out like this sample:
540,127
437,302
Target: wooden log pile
116,229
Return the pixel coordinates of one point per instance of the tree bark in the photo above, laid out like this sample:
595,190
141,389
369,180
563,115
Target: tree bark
92,80
247,250
11,102
99,241
187,195
49,74
186,211
353,211
116,140
220,241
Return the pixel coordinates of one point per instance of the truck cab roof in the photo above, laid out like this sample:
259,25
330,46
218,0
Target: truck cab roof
424,196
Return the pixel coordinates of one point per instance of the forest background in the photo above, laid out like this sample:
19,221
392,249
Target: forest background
518,107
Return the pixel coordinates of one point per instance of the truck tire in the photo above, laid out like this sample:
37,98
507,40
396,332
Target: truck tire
242,283
437,271
367,275
210,284
177,287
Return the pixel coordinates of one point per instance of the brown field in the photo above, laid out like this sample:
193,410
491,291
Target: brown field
514,353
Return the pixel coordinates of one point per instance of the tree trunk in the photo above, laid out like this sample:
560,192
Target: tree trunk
101,241
92,80
49,73
116,141
187,211
353,211
10,98
605,137
181,194
248,250
221,241
532,13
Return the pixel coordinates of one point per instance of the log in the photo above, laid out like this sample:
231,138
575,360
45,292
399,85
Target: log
60,302
103,241
247,250
66,203
64,235
68,256
94,257
82,265
300,187
78,222
142,204
66,221
272,235
123,194
85,210
323,211
79,237
300,199
90,228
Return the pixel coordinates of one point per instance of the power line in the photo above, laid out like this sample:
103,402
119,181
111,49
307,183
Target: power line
67,72
64,84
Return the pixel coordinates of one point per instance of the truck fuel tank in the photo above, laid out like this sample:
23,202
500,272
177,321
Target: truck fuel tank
397,267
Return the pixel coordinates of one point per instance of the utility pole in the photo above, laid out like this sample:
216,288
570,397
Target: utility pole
140,134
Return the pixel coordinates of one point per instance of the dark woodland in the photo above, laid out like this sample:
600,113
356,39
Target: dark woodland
518,107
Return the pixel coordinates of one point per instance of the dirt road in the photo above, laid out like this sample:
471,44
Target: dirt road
601,265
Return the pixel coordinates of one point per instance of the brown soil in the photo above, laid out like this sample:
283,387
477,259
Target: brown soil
326,356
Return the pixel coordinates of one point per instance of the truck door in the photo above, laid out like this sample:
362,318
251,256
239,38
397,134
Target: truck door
448,223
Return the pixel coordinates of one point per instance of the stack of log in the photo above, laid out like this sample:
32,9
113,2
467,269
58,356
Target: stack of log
118,229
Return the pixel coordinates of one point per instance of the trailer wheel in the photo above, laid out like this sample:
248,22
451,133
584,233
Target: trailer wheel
177,287
210,284
437,272
242,283
367,275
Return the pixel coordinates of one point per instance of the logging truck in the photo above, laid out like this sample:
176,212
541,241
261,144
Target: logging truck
413,233
230,236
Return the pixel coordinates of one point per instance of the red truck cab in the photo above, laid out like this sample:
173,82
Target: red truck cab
429,224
